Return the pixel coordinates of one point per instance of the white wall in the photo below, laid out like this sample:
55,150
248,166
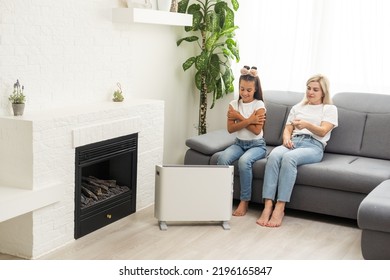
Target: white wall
69,52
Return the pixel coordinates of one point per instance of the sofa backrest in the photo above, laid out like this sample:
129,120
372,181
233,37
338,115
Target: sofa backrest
278,104
364,125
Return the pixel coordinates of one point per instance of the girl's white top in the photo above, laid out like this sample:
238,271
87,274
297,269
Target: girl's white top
246,110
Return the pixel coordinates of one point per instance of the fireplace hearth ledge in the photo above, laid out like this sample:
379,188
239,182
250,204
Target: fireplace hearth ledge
27,200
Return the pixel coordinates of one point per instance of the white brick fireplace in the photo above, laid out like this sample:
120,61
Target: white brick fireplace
37,164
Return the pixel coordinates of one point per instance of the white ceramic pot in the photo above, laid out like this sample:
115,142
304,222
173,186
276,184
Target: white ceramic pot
164,5
143,4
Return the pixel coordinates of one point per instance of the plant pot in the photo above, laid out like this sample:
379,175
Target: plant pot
164,5
18,109
142,4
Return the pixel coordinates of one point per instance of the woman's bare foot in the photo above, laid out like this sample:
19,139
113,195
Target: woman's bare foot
277,215
266,214
264,217
241,209
276,219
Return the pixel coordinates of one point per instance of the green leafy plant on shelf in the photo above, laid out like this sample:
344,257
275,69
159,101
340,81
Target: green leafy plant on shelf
214,32
17,96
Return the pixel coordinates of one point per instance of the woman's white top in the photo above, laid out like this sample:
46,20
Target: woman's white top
314,114
246,110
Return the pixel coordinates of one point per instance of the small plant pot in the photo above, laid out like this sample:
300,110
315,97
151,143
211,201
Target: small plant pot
164,5
18,109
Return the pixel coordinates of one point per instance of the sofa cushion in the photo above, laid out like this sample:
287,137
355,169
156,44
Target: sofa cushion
376,139
364,129
374,211
347,137
274,125
211,142
346,173
278,104
363,102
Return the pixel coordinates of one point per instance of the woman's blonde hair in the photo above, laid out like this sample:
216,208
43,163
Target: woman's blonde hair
324,84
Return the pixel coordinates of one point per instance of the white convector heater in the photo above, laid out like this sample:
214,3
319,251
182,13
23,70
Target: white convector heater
197,193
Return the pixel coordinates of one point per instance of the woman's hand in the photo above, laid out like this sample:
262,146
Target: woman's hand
320,130
287,132
299,124
288,143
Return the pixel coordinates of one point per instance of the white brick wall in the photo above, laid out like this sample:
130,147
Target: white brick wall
68,51
53,141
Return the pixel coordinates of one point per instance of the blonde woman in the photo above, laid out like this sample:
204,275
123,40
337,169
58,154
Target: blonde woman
307,130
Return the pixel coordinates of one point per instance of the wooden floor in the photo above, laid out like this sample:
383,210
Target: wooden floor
303,236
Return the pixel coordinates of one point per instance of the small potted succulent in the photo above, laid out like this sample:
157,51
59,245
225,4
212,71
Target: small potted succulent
118,95
18,99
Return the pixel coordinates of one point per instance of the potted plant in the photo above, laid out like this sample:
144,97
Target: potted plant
18,99
214,31
118,95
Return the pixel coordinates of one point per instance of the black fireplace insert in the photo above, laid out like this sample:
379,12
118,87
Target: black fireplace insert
105,183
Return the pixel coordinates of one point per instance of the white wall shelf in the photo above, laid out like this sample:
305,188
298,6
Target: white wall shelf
137,15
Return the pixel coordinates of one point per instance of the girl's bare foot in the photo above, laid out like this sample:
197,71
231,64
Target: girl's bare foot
241,209
264,217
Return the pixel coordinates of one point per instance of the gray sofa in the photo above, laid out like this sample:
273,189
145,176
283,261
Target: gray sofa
356,159
374,220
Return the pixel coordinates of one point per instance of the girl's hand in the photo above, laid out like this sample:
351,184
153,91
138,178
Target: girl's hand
256,119
232,114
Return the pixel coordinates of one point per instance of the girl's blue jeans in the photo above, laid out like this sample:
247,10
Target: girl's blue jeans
246,152
282,163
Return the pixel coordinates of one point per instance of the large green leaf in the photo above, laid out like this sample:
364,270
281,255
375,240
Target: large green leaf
187,39
211,22
228,79
211,41
220,7
201,61
220,10
229,18
188,63
197,17
232,46
219,89
182,6
229,32
214,66
198,80
235,4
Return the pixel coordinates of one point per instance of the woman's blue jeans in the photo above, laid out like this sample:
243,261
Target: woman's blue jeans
282,163
247,152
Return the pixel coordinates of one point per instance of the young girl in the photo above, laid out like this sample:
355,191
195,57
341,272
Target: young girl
246,116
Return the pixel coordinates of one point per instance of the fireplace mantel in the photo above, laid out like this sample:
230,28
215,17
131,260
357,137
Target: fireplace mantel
38,162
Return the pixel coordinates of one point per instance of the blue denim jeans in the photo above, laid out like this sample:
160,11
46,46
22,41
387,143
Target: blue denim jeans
282,163
247,152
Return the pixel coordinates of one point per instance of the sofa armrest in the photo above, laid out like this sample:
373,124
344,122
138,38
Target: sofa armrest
211,142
